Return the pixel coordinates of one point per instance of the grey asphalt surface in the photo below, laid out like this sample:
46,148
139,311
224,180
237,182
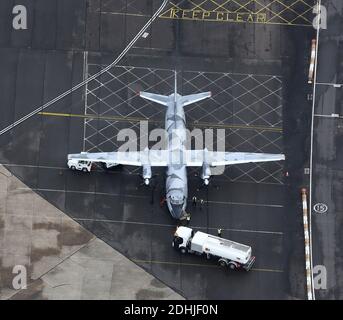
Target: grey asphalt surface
42,62
327,156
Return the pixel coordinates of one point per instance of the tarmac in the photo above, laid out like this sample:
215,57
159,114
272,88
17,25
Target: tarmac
327,210
257,73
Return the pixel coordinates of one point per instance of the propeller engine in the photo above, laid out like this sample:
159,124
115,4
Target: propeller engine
206,173
147,174
206,170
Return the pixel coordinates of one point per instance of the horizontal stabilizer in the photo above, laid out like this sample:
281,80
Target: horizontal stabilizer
193,98
158,98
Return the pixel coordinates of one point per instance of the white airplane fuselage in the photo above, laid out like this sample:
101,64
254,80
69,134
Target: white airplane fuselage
176,181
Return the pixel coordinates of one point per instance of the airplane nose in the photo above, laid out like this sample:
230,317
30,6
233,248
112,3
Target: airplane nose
177,210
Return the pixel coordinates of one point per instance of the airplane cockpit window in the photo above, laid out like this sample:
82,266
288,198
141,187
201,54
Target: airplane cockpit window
177,199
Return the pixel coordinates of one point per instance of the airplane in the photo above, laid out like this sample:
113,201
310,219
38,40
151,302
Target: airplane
176,158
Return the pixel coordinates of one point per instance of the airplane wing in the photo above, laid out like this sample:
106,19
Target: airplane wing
161,158
196,158
155,158
231,158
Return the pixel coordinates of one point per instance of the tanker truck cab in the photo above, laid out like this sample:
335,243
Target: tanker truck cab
182,238
230,254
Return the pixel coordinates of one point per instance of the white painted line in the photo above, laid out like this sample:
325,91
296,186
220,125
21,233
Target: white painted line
130,174
335,85
140,196
32,166
173,226
223,178
312,295
247,204
85,76
108,131
331,116
55,168
81,84
276,77
87,192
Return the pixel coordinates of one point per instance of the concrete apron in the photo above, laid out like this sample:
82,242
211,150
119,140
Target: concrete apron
62,259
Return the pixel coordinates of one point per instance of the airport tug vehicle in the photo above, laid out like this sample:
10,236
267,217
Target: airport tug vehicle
228,253
85,166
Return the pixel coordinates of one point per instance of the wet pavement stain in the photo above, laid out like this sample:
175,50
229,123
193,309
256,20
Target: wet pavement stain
147,294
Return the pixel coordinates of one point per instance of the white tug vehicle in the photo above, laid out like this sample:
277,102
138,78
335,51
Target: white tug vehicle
228,253
85,166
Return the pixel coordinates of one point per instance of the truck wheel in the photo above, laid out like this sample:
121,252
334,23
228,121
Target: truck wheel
232,266
73,168
223,263
183,250
84,170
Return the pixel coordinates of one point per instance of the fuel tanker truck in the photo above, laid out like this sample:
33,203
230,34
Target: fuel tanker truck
229,254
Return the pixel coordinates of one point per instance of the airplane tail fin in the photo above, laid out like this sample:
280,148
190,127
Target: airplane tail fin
185,100
158,98
193,98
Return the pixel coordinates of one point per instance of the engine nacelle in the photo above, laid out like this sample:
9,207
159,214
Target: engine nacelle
110,165
206,173
147,174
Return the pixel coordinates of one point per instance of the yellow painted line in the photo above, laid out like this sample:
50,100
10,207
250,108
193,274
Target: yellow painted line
207,7
95,117
233,126
267,22
241,17
198,265
135,119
